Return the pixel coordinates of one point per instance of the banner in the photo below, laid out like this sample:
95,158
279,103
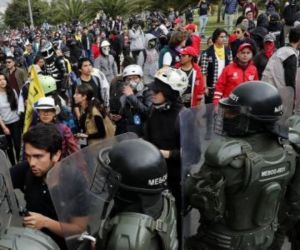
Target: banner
35,92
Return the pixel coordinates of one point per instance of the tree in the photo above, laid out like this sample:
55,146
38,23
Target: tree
68,10
179,5
119,7
17,14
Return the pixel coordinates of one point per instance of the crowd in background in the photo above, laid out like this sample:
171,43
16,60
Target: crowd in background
100,79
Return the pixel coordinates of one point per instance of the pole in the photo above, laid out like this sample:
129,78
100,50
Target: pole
30,15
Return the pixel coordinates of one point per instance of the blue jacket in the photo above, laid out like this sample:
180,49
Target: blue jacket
230,6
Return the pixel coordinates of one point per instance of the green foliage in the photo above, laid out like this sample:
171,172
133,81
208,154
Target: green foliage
67,10
17,14
118,7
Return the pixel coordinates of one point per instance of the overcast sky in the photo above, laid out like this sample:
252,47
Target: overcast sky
3,4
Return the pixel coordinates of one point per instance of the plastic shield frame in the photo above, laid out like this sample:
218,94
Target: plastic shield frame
82,187
196,132
9,212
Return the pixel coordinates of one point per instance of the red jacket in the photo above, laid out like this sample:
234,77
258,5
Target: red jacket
95,50
198,85
196,43
232,76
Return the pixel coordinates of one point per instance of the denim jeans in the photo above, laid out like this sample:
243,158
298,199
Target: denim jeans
228,22
202,24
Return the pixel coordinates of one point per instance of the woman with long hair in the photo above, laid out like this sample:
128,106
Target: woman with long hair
91,115
9,119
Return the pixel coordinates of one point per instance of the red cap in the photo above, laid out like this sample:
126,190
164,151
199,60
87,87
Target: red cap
190,26
245,45
188,51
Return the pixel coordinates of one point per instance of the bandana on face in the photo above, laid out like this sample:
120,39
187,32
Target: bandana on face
269,49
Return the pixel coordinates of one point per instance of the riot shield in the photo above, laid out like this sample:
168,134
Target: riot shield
196,132
9,213
82,187
288,100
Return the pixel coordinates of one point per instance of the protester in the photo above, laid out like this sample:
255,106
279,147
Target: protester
203,9
193,94
16,76
262,58
213,61
91,115
240,71
282,66
169,55
47,112
9,119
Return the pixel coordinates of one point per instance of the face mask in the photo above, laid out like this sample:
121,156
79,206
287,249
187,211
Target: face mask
106,50
138,86
152,44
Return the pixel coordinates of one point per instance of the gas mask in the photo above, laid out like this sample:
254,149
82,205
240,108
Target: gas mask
137,86
152,44
105,50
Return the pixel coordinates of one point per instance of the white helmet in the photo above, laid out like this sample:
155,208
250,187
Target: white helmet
133,70
104,43
175,78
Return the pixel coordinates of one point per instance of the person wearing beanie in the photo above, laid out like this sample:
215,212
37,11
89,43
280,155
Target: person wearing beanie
240,71
262,58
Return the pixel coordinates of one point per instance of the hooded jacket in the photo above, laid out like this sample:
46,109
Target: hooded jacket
151,60
261,30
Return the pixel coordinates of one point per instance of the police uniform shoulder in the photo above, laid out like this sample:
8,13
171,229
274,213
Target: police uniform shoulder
140,235
223,151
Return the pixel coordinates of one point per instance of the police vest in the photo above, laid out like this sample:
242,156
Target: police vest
135,231
239,189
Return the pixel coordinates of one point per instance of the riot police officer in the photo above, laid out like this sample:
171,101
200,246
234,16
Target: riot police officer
144,214
245,174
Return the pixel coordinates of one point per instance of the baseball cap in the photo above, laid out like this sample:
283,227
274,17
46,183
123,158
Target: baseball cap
190,26
188,51
245,45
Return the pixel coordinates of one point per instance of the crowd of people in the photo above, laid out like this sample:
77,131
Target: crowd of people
114,76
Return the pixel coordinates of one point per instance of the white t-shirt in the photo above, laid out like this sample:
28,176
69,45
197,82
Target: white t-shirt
167,59
221,66
7,115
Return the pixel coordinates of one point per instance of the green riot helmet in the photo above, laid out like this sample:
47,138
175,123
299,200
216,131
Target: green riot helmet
248,108
141,166
48,83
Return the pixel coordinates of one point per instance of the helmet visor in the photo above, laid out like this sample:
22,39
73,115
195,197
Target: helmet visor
230,121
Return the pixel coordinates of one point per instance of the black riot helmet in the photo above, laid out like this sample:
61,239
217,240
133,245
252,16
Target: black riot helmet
248,108
140,165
